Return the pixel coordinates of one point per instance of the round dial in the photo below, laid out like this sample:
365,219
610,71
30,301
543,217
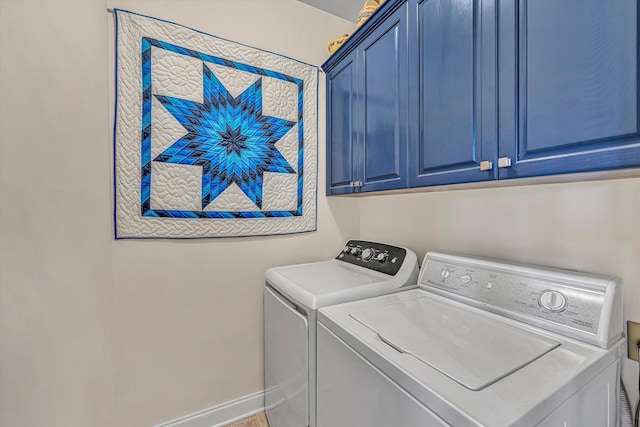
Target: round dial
346,249
381,257
465,279
367,254
354,251
552,300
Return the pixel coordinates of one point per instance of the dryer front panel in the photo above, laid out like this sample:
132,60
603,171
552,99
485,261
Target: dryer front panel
286,355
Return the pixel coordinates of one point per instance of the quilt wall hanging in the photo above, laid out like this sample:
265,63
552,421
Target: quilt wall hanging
212,138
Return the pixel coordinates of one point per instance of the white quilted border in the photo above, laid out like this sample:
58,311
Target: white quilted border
129,221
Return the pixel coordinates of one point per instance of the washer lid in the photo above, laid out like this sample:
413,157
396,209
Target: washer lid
471,348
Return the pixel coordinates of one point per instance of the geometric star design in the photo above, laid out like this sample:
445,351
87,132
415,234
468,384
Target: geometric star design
233,140
228,137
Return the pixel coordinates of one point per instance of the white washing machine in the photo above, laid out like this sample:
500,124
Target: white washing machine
479,343
292,296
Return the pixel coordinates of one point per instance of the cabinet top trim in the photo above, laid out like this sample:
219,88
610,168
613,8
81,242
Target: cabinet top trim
386,9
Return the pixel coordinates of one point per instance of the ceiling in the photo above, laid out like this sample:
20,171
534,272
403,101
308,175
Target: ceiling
346,9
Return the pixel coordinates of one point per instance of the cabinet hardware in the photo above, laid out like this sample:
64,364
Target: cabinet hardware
354,184
504,162
486,165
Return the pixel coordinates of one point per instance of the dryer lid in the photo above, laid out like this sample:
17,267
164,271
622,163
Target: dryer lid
326,276
323,283
469,347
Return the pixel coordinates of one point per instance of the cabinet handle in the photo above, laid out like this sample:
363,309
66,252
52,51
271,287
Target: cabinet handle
504,162
354,184
486,165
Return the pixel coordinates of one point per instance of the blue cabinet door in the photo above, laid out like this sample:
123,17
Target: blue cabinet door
568,86
342,97
455,97
381,158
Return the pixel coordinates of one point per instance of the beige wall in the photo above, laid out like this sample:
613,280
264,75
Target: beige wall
56,269
97,332
588,226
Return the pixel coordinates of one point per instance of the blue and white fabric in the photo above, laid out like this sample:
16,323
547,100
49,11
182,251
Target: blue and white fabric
212,138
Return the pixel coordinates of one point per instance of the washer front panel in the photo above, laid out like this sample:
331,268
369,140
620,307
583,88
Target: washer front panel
521,399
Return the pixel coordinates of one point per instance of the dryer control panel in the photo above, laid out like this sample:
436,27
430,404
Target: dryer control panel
374,256
580,305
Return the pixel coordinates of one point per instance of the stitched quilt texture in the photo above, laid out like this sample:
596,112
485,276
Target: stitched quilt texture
212,138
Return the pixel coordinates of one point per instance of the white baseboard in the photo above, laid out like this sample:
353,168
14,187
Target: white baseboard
223,414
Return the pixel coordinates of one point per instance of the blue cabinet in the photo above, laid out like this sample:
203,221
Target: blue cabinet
496,90
367,110
568,84
342,96
455,101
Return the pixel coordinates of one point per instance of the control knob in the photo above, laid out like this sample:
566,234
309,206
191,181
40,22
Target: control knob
552,300
465,279
445,273
367,254
354,251
346,249
381,257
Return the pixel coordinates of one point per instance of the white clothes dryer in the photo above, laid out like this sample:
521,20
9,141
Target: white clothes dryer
479,343
292,296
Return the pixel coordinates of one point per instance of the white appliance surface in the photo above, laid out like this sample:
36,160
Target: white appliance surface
322,283
287,329
478,345
292,296
466,346
318,284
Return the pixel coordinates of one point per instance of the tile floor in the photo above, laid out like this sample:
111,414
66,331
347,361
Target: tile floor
258,420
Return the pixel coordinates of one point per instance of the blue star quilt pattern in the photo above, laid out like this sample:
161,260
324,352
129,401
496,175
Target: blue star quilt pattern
212,138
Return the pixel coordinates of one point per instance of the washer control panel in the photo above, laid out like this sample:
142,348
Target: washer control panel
555,296
374,256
